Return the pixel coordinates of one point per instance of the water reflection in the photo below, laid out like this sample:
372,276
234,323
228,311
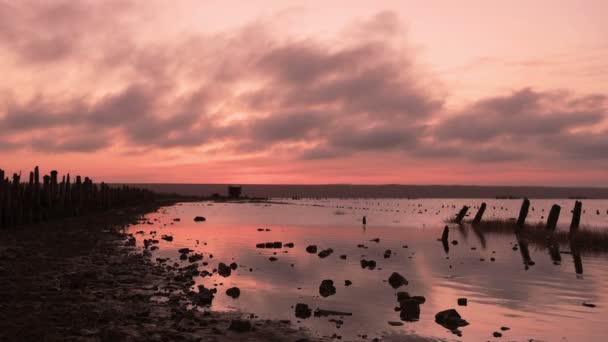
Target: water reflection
487,269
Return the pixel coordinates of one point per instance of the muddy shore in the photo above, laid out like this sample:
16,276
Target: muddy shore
79,279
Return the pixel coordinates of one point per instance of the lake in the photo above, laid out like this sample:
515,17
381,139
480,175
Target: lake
543,301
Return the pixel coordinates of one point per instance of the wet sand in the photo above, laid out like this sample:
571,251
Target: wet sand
81,279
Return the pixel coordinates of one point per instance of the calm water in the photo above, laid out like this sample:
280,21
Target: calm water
543,302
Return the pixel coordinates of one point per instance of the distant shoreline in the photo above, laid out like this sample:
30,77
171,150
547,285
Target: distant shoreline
383,191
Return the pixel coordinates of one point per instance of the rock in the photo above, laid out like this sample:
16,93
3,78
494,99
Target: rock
325,253
200,219
343,256
184,250
233,292
204,296
450,319
303,311
376,240
131,241
239,325
234,266
370,264
348,283
396,280
462,301
312,249
260,245
167,238
387,254
497,334
177,219
195,257
277,244
454,242
505,328
289,245
589,305
327,288
325,313
223,270
273,259
409,306
395,324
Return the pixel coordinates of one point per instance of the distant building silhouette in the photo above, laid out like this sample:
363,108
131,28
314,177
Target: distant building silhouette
234,191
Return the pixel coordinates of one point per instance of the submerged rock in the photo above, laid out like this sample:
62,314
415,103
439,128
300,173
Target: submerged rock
325,253
234,266
312,249
289,245
223,270
348,283
462,301
303,311
327,288
233,292
200,219
370,264
396,280
387,254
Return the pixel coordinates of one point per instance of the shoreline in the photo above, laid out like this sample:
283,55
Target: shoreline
78,279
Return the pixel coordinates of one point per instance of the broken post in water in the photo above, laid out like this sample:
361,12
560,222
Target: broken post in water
553,217
576,216
479,214
461,214
523,213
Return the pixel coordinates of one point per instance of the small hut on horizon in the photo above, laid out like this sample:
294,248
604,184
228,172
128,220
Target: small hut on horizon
234,191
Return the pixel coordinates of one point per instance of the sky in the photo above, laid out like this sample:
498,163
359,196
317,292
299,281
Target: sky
307,92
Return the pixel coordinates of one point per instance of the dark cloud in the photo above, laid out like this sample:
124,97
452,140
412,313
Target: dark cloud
250,91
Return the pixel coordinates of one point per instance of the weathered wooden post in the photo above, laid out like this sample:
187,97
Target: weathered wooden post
446,234
576,257
1,198
553,217
479,214
576,216
37,209
523,213
461,214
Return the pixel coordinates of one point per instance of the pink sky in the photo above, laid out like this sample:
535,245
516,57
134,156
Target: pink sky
412,92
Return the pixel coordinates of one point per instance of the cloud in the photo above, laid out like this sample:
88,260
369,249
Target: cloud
253,91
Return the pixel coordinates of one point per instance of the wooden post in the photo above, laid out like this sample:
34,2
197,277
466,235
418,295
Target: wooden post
446,233
523,213
479,214
576,216
461,214
553,217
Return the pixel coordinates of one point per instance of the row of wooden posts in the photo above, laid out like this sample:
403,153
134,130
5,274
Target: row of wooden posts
523,213
34,201
551,225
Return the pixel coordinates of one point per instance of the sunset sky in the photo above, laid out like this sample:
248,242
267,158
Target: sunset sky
413,92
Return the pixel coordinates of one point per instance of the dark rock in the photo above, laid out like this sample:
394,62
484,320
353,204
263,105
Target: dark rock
343,256
277,244
325,253
450,319
327,288
177,219
233,292
395,324
184,250
325,313
454,242
396,280
195,257
289,245
462,301
223,270
233,266
200,219
239,325
370,264
497,334
204,296
589,305
273,259
303,311
167,238
376,240
260,245
505,328
348,283
387,254
312,249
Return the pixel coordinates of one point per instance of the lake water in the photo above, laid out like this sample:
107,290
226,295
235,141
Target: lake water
542,302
